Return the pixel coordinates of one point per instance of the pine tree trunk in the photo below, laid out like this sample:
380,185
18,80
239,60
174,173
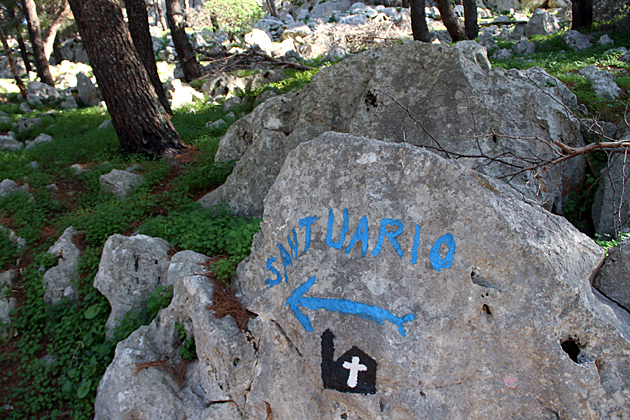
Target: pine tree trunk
51,32
35,33
139,28
20,40
582,13
160,13
184,50
419,21
16,76
138,116
57,50
450,21
271,5
470,19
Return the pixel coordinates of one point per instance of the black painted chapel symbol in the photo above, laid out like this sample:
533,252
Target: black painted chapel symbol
354,371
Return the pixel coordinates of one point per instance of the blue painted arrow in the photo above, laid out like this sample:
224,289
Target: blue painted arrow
343,306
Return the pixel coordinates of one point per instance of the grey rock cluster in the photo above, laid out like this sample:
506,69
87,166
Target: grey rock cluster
473,111
388,283
7,304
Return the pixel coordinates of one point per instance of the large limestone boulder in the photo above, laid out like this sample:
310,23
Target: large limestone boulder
542,23
613,279
130,269
433,96
611,210
59,281
88,94
389,283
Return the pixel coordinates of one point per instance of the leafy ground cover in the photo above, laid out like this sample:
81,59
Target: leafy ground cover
54,358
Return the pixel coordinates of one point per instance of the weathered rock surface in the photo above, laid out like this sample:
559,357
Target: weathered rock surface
473,110
41,139
88,94
8,186
120,182
576,40
130,269
542,23
9,142
601,82
611,210
6,303
613,279
58,282
435,292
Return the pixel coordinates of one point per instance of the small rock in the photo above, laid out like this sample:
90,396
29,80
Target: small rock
120,183
8,186
24,108
502,54
605,40
231,103
524,47
105,124
58,282
33,100
261,39
88,94
69,103
52,188
79,168
42,138
24,123
9,142
542,23
230,115
576,40
215,124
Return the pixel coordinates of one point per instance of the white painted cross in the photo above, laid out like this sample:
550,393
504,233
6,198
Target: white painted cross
355,367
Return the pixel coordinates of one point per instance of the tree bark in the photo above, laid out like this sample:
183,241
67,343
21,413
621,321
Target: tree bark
139,28
51,32
272,8
57,50
471,25
20,40
419,21
16,76
582,13
184,50
35,33
139,118
450,21
160,14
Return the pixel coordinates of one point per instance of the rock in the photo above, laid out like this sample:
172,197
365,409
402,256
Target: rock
122,396
198,41
42,138
261,39
264,96
576,40
542,23
446,295
8,186
7,278
9,142
601,82
231,103
487,41
6,86
130,269
613,279
229,85
524,47
354,20
80,54
180,94
120,183
58,282
455,78
322,9
105,124
625,58
605,40
611,210
88,94
24,124
213,125
33,100
24,108
6,306
502,54
69,103
286,49
592,130
295,30
81,169
42,91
